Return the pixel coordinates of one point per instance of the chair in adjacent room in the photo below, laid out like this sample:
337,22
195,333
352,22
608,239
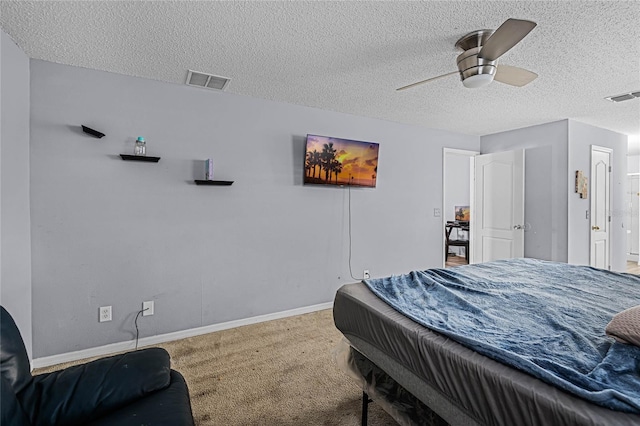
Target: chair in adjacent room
448,242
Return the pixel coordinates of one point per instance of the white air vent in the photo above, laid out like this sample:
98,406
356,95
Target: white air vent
624,97
209,81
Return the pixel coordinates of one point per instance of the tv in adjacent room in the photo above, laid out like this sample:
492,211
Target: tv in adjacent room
335,161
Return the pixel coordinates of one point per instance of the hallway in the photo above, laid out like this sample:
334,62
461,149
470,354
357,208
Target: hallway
633,268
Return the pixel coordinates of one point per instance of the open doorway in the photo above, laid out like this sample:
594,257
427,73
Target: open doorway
457,205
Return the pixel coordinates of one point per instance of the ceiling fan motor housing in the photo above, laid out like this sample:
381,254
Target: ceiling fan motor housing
475,71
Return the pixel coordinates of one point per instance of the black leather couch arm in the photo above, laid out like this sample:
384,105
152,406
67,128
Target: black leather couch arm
84,392
171,407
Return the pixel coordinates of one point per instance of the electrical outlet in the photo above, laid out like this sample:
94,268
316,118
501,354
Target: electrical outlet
104,313
366,274
436,212
147,308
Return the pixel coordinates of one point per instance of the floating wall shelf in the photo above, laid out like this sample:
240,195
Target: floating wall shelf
213,182
92,132
140,158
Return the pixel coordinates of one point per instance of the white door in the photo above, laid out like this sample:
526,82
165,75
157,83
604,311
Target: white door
633,217
600,207
497,219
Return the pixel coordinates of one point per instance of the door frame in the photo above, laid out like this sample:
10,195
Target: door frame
461,152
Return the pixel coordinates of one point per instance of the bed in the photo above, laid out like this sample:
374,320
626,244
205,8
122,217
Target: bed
466,387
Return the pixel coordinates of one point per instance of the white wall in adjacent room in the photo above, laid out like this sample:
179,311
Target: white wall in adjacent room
581,138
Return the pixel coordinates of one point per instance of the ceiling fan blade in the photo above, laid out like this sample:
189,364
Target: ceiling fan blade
514,76
505,37
426,81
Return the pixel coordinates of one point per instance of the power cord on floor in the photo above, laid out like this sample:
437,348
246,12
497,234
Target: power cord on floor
136,324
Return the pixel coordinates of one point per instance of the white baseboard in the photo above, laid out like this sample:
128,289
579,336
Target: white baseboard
177,335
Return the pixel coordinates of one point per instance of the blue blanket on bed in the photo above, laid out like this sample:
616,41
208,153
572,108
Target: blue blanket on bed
544,318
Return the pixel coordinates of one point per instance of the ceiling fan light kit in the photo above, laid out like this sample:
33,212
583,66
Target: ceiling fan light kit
478,63
477,80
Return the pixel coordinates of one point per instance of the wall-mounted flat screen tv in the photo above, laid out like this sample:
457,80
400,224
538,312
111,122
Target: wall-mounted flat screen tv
334,161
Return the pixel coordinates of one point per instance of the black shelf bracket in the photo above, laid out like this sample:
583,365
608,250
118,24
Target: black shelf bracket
144,158
213,182
92,132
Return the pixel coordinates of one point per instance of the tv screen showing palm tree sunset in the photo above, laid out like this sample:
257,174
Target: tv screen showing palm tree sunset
334,161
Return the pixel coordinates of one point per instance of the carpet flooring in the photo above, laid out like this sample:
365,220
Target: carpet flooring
273,373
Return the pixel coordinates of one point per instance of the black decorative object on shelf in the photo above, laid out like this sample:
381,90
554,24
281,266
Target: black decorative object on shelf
92,132
213,182
140,158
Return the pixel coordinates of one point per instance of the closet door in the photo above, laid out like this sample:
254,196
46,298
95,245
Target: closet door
633,219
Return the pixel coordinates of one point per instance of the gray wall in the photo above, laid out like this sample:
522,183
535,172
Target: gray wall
110,232
15,237
546,209
555,213
581,137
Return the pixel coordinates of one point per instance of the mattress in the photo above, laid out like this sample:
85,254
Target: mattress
465,386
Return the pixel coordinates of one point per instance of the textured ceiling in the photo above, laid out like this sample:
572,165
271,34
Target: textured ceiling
351,56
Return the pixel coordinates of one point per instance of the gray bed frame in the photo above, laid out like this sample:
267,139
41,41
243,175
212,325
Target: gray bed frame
422,390
460,385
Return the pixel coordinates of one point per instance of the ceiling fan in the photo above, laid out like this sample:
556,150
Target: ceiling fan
478,63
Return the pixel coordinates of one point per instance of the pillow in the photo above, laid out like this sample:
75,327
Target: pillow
625,326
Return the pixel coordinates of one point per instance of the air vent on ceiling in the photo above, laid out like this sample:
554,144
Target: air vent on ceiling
624,97
209,81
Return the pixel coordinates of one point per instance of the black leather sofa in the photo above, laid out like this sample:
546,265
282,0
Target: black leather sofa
135,388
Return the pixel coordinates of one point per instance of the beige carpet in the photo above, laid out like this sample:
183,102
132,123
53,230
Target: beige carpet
274,373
